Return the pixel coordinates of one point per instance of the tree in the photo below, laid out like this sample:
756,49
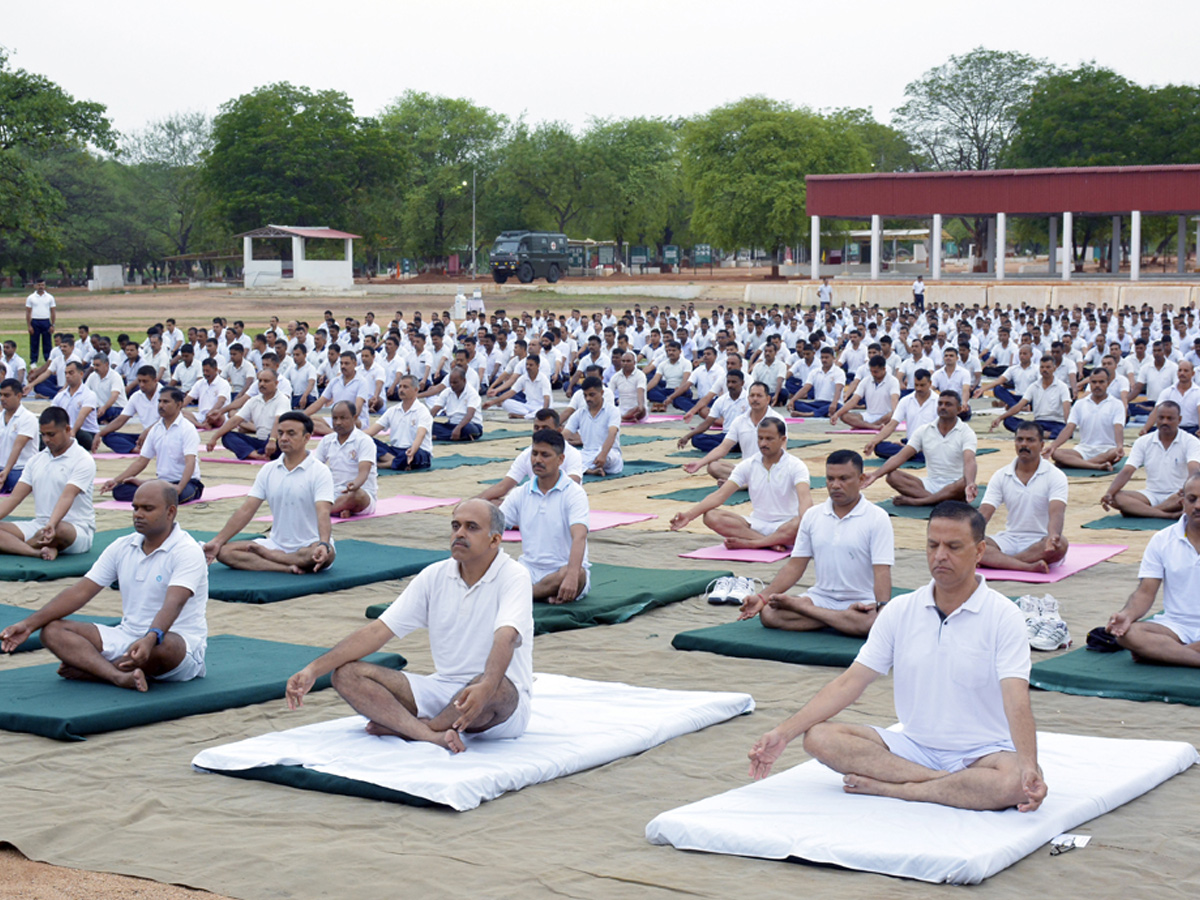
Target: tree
37,118
744,165
636,179
292,156
887,147
440,142
550,173
962,114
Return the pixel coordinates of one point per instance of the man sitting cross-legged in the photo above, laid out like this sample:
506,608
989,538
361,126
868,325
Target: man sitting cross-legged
164,590
299,489
476,607
968,738
948,445
597,430
850,542
742,433
779,496
409,426
521,468
173,444
1100,419
1170,456
553,515
350,455
1172,559
1035,493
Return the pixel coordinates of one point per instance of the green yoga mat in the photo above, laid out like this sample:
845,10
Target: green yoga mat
357,563
750,640
311,780
921,512
10,615
875,463
446,462
618,593
241,671
792,445
695,495
498,434
1129,523
1116,675
1072,472
632,467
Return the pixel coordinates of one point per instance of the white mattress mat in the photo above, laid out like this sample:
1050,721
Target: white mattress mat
575,724
803,813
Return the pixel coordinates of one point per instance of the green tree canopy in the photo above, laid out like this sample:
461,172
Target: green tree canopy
636,178
744,166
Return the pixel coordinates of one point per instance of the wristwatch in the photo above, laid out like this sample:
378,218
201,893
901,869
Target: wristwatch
158,635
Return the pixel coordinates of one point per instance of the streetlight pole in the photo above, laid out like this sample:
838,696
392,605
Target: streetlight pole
474,242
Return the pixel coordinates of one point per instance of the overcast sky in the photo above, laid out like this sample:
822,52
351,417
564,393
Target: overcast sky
566,61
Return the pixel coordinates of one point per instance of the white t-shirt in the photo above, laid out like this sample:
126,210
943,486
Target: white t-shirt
959,380
75,403
725,409
877,397
1028,505
593,429
343,459
1047,402
262,413
772,491
626,388
299,377
943,453
1166,467
1021,379
142,408
402,425
292,496
673,373
1189,403
744,431
521,468
844,550
1094,421
210,396
455,406
105,387
545,522
823,383
23,423
913,413
536,390
40,305
170,447
338,390
48,475
1171,558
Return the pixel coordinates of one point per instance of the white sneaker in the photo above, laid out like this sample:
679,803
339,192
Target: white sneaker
1029,605
1048,606
719,588
743,588
1049,634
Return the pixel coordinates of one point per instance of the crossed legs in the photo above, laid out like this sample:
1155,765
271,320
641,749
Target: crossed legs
78,645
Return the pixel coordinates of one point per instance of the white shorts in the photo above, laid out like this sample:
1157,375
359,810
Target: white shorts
81,544
370,510
1088,451
537,575
905,747
433,693
1189,634
829,603
1012,542
614,463
1156,497
932,485
117,640
765,526
270,544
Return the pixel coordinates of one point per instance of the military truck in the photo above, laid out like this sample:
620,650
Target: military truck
529,255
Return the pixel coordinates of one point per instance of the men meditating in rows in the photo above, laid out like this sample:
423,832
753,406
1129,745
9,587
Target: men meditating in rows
741,433
476,607
779,495
968,738
173,443
163,578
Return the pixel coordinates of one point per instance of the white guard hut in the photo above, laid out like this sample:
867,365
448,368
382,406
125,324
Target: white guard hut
274,269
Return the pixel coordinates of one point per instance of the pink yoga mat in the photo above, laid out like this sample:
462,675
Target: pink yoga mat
114,456
720,551
859,430
215,492
656,418
391,506
1079,557
233,460
600,520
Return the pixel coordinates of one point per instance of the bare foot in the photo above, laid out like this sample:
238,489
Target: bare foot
861,784
134,681
740,544
382,730
901,500
345,514
49,554
451,741
73,674
598,473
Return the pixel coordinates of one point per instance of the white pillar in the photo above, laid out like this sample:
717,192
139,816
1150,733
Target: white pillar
876,246
1053,244
1135,245
1001,241
247,252
816,247
935,270
1068,245
988,253
1115,263
1180,244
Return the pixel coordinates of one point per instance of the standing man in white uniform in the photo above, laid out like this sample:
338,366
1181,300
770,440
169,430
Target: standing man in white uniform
40,314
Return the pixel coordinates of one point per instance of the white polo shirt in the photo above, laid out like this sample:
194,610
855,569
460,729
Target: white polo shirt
170,447
1028,505
674,373
712,381
262,413
144,409
726,409
75,403
338,389
455,406
23,422
48,476
913,413
1166,467
877,397
1171,557
521,469
625,388
593,429
744,431
843,550
210,396
402,425
1189,403
545,522
105,387
948,671
40,305
1021,378
299,377
959,380
943,453
536,391
238,376
1094,421
144,581
292,496
343,459
823,383
773,490
462,620
1157,380
14,367
1047,402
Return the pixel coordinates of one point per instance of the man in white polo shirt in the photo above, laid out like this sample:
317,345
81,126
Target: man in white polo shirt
779,495
732,403
174,445
742,433
476,608
850,542
1172,638
108,387
409,426
629,388
350,455
211,393
1100,420
299,489
553,515
60,478
1170,456
948,446
250,433
18,435
345,385
597,429
914,410
530,392
1186,394
1010,387
80,403
968,738
1048,399
463,408
1035,494
522,469
141,405
879,396
40,314
163,579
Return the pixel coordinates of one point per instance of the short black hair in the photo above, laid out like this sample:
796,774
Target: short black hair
295,415
779,425
54,415
591,382
959,511
843,458
550,438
